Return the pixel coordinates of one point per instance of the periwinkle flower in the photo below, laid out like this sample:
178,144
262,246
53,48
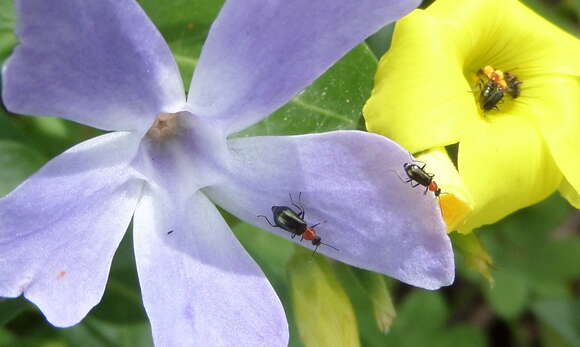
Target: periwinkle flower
103,63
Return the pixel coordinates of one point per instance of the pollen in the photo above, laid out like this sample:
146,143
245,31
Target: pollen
164,126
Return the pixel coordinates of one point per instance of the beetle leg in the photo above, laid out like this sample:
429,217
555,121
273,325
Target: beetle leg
416,185
315,249
299,205
267,220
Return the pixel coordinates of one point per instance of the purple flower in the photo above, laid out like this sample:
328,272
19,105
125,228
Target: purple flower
103,63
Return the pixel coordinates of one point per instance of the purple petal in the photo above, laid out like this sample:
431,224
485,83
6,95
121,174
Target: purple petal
348,179
192,158
199,286
101,63
260,53
60,228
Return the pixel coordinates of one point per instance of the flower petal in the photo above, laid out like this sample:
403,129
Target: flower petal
554,106
506,166
101,63
349,179
199,286
507,35
260,53
420,105
569,193
183,162
60,228
455,200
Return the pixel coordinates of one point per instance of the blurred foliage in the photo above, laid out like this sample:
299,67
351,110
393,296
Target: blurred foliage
535,300
323,311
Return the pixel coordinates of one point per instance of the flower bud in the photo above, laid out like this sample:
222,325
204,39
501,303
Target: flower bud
474,253
375,286
322,310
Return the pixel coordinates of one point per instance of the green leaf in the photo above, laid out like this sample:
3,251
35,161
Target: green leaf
376,289
380,41
558,16
7,130
352,282
92,332
526,244
334,101
10,308
422,321
17,162
272,252
30,329
421,309
562,316
121,303
7,22
510,294
184,24
324,313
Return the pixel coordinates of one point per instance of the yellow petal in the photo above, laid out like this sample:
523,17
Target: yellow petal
506,166
509,36
420,98
554,106
570,194
455,201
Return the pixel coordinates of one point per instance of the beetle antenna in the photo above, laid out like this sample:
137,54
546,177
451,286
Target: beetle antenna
401,178
413,160
317,224
326,244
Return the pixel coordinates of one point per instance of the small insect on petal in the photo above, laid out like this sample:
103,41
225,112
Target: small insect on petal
419,177
513,85
293,222
490,95
494,84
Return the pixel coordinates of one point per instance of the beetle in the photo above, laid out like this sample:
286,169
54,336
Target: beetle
490,96
293,222
418,174
513,84
421,177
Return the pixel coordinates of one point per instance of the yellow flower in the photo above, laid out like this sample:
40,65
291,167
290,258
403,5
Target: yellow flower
427,95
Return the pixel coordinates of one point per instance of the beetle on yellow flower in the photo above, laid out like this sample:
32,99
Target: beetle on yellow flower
427,96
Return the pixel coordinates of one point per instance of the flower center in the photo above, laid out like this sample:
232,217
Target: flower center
493,85
164,126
